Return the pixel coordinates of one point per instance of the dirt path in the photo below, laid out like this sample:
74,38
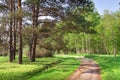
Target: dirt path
88,70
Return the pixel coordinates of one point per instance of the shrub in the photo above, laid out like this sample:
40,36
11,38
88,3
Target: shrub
3,53
40,52
43,53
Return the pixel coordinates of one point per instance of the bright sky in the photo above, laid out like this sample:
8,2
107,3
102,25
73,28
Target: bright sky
111,5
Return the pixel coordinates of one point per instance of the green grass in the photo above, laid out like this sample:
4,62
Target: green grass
60,69
15,71
110,66
60,72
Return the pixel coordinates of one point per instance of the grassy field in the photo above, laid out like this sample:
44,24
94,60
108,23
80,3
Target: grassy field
110,66
59,67
59,72
15,71
54,68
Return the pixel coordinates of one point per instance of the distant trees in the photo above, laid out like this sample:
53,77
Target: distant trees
102,36
79,38
109,32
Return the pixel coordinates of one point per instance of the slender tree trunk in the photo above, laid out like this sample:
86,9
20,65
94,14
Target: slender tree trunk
89,44
30,48
32,57
34,48
83,44
14,28
77,50
114,44
114,51
20,33
86,43
10,42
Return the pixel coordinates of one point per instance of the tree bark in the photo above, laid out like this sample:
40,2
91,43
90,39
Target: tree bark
14,33
35,24
20,33
10,42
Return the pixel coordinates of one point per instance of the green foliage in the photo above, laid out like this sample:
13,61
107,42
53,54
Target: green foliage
79,20
100,35
33,2
74,41
109,31
77,30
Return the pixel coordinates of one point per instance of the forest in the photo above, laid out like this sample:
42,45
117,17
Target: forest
38,32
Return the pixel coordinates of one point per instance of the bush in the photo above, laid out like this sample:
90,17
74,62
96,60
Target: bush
40,52
3,53
43,53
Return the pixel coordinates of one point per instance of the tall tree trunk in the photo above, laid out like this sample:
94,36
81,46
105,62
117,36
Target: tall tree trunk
20,33
32,57
14,34
10,42
35,24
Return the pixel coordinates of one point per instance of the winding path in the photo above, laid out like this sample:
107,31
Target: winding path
88,70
